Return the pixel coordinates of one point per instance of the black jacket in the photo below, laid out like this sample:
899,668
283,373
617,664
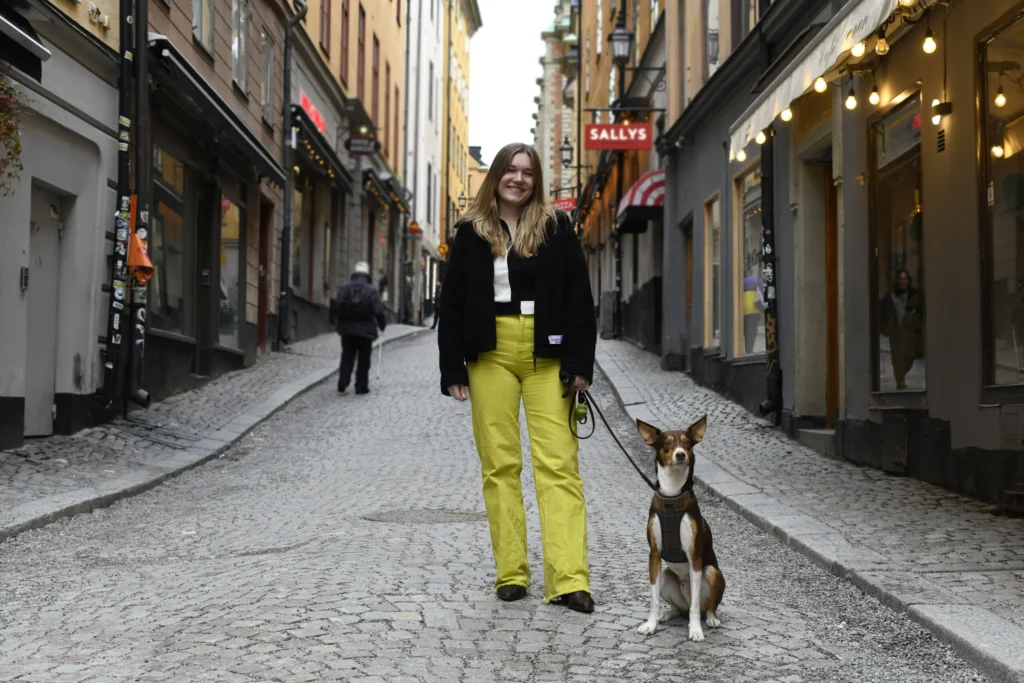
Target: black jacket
563,306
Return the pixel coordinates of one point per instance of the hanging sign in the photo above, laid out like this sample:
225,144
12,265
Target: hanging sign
566,205
619,136
442,249
414,228
362,144
313,113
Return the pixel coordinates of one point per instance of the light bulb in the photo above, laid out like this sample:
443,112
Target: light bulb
907,3
929,45
761,137
1000,98
874,98
786,115
998,151
821,85
741,156
936,118
859,49
882,46
851,100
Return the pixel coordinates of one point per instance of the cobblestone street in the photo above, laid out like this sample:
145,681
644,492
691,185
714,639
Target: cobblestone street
344,539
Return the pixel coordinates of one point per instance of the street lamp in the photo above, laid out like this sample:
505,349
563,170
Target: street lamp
566,150
621,39
462,201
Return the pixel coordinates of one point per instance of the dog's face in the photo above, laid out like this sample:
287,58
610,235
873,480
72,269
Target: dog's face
673,448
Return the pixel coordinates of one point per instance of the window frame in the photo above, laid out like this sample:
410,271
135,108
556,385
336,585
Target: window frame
267,84
375,83
430,91
397,144
345,19
325,26
201,9
240,36
709,348
387,108
361,57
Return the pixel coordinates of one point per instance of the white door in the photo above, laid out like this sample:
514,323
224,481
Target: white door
43,273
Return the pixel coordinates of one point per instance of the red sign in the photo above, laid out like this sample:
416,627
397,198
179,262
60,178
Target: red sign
414,228
383,239
617,136
566,205
313,112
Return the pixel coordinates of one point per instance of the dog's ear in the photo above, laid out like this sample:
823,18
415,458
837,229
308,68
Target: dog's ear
698,428
650,434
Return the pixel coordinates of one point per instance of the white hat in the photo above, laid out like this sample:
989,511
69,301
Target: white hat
363,267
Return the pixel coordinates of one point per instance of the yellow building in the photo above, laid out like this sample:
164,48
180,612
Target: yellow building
462,20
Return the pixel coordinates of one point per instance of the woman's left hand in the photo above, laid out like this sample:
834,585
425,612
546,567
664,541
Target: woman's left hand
580,384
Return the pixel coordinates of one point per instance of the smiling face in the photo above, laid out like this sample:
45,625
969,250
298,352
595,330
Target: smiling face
516,185
674,448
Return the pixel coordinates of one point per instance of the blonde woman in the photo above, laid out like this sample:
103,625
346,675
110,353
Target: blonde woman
517,324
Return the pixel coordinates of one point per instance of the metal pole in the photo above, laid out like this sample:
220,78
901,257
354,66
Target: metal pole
579,105
773,368
621,21
287,142
119,266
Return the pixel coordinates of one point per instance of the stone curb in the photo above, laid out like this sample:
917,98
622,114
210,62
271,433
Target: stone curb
151,474
993,644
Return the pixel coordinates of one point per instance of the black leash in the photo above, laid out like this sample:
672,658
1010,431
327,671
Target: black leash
578,413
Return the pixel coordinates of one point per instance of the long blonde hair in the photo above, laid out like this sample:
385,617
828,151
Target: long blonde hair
534,216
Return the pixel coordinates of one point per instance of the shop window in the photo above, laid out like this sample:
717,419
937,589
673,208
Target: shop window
1002,99
753,279
232,223
240,44
267,87
713,274
202,23
166,304
898,235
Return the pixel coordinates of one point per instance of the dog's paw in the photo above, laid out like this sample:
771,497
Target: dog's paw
667,613
713,621
696,633
647,628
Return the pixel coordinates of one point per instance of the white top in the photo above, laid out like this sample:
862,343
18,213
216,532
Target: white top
502,286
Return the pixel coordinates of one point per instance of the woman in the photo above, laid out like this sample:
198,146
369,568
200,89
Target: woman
517,323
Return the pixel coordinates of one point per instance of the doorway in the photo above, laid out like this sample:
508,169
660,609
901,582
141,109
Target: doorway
831,300
42,282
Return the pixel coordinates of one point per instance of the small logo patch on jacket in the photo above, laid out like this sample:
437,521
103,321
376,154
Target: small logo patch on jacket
554,339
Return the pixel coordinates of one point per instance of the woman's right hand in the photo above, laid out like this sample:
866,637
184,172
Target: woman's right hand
460,392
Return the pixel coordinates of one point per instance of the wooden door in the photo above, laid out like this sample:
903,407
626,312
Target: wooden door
831,299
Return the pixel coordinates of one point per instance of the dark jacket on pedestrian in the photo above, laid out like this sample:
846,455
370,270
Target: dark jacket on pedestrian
564,323
361,326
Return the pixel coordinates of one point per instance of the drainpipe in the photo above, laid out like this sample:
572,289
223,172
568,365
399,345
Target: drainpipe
773,368
137,330
116,322
407,307
287,142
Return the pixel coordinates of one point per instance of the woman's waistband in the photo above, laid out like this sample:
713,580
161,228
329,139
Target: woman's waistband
513,308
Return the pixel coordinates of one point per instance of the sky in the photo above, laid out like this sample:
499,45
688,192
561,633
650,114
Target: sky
503,72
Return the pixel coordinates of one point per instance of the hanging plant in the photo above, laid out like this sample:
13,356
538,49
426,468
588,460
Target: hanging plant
12,106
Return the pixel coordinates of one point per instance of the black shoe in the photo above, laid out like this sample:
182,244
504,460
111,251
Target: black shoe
341,389
580,601
360,392
511,592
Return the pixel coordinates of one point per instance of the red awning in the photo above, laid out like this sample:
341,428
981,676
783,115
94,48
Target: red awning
643,201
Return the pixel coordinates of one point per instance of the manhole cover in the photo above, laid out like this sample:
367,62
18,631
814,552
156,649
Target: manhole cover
427,517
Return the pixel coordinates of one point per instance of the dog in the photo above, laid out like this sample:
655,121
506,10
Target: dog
679,538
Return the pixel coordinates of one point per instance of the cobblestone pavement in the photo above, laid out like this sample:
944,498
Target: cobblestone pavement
59,465
345,539
955,550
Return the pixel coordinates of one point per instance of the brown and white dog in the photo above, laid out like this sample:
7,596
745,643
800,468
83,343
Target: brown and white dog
679,537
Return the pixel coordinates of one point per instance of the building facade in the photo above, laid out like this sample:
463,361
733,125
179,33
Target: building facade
556,114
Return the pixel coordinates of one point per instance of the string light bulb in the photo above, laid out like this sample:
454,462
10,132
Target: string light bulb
786,115
761,137
1000,97
741,156
998,152
820,85
859,49
874,98
882,46
929,46
851,100
907,3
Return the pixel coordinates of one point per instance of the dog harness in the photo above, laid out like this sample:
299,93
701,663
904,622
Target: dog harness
670,516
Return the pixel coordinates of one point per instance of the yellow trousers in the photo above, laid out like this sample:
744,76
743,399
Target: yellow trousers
498,381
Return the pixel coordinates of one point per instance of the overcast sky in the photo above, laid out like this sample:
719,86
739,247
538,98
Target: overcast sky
503,72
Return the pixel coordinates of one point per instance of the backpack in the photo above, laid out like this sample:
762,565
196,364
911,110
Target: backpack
356,305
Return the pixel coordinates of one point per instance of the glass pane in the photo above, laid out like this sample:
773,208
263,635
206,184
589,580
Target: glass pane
231,221
715,236
752,300
711,39
297,207
166,250
1004,104
169,171
899,235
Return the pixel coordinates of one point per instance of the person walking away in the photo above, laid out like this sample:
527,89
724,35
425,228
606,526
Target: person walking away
902,321
359,313
517,325
437,303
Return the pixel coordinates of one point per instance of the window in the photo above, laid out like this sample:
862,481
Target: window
398,143
655,13
898,232
232,220
1002,227
600,29
344,41
754,279
398,11
612,72
267,87
430,92
202,23
375,83
361,57
387,107
710,38
167,291
430,195
713,274
586,72
746,17
240,44
325,25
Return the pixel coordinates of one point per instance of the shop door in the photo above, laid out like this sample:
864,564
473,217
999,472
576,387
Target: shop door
42,290
831,299
263,277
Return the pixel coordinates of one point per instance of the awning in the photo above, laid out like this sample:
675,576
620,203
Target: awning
372,185
645,201
396,193
216,111
334,169
855,22
20,45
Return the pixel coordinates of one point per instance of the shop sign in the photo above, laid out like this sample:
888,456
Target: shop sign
313,113
566,205
619,136
362,144
442,249
414,228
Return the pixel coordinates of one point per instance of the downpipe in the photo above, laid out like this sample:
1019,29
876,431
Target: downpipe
772,405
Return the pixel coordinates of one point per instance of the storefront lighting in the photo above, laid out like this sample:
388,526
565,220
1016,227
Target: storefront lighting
882,46
741,156
998,152
929,46
851,100
859,49
786,115
761,137
874,98
940,109
820,85
907,3
1000,97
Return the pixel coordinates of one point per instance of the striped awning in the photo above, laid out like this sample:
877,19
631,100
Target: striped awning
644,201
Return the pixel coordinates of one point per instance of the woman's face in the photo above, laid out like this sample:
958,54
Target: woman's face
516,186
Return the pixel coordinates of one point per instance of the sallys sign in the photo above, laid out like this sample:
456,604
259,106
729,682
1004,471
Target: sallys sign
566,205
619,136
362,144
